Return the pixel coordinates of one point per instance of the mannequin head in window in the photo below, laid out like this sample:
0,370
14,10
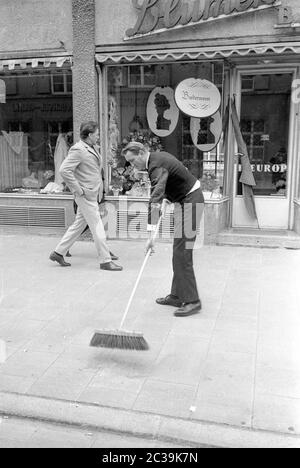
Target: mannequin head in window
162,104
69,138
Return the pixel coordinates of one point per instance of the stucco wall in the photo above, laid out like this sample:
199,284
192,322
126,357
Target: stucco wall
113,18
85,84
35,25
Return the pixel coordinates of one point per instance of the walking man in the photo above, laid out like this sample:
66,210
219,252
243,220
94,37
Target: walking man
81,171
171,180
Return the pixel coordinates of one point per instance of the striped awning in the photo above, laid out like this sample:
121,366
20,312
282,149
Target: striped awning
200,52
42,62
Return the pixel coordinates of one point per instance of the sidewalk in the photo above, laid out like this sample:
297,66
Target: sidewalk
237,364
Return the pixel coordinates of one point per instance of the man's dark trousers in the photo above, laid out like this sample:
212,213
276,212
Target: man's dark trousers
187,217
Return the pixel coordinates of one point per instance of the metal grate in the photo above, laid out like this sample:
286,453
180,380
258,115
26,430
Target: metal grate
32,217
134,225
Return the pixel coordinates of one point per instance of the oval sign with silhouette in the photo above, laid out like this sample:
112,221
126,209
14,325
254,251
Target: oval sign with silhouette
206,132
162,112
197,98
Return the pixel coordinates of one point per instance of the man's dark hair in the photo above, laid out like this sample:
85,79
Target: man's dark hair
88,127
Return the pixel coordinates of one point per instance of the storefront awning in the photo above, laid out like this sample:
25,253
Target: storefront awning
198,53
24,63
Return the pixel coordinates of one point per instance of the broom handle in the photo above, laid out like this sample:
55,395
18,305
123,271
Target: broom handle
140,275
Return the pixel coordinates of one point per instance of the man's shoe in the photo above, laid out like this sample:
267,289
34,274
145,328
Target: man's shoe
55,257
68,254
188,309
110,266
169,300
113,256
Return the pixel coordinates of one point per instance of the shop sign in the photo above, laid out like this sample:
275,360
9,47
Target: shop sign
206,133
22,107
197,98
2,92
267,168
156,16
162,112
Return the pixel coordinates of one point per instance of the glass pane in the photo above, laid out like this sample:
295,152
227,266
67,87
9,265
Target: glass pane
149,75
246,126
247,83
128,120
35,133
69,83
58,83
257,141
135,76
265,115
259,126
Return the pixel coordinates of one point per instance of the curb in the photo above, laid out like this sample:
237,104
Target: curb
139,424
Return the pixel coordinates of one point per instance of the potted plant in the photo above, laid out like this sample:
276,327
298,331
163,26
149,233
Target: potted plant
209,184
123,177
117,180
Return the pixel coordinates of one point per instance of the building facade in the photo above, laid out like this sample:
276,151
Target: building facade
121,63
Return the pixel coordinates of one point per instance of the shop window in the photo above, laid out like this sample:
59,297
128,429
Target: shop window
135,112
35,132
265,115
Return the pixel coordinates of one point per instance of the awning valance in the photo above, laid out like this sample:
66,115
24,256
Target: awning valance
44,62
200,52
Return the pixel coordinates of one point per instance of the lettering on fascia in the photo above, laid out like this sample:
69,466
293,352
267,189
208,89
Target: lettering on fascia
160,15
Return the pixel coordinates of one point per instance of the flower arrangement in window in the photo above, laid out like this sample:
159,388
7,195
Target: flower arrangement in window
124,178
209,182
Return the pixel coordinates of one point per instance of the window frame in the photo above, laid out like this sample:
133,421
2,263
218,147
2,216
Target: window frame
142,72
65,84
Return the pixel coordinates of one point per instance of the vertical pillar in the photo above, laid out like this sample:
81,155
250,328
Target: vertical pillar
85,95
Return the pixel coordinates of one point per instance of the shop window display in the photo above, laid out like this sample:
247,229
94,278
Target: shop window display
141,106
36,130
265,124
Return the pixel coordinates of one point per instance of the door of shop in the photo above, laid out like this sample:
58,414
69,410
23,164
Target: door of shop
267,121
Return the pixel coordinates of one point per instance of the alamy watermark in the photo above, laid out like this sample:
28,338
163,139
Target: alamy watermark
130,221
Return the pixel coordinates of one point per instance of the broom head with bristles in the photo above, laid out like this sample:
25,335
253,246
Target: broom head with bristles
119,339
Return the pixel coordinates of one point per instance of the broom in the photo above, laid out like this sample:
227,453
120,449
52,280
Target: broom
120,338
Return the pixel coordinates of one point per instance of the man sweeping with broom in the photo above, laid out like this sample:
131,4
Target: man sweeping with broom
172,181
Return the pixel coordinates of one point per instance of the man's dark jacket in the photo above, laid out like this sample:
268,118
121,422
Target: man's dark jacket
169,178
